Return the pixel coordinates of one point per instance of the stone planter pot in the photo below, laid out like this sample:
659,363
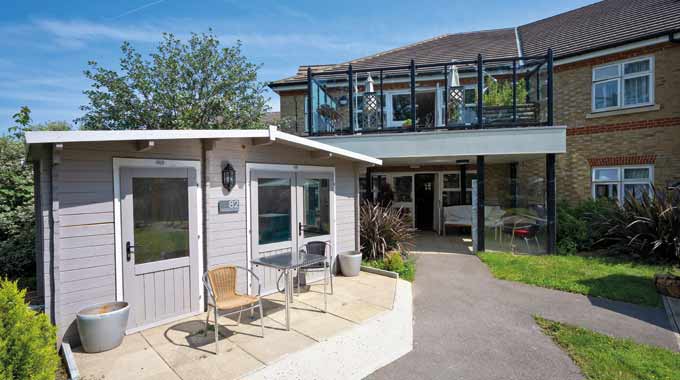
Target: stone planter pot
667,284
350,263
102,327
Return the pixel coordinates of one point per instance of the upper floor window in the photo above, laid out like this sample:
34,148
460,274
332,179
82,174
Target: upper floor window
623,84
619,181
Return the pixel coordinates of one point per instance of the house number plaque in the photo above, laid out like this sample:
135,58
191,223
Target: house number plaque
228,206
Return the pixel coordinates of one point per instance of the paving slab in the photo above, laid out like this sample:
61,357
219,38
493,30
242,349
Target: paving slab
182,350
134,359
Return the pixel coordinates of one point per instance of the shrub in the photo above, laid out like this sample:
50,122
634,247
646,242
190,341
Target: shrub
383,229
579,226
17,221
27,339
648,228
394,261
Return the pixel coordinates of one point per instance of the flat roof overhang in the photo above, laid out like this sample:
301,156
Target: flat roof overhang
270,135
499,144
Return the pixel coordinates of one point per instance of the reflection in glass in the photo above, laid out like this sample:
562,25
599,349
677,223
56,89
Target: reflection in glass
636,173
316,215
161,218
452,181
610,191
637,189
273,210
402,188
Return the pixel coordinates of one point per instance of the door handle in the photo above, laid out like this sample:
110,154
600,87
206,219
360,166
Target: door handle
299,228
129,250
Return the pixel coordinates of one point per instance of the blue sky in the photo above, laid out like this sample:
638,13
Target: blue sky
46,44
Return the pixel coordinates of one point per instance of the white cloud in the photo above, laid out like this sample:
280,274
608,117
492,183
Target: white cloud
76,33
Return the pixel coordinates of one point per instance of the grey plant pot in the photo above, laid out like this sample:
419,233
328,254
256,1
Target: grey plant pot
350,263
102,327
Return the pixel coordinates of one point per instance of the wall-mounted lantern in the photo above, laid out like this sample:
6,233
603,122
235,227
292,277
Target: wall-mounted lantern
228,177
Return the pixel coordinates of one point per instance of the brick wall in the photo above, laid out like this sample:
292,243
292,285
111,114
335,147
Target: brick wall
633,138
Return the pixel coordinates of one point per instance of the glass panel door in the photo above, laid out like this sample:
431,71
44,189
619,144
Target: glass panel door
314,195
273,221
160,243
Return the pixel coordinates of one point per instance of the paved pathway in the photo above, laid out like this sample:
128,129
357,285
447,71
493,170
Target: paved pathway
470,326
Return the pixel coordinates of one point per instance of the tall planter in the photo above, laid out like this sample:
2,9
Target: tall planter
350,263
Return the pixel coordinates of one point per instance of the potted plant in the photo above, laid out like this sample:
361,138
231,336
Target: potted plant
350,263
407,123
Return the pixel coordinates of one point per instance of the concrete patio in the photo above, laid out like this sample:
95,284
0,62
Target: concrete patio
181,351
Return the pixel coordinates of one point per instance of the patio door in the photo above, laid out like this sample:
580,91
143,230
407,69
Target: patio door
288,209
314,192
274,221
160,243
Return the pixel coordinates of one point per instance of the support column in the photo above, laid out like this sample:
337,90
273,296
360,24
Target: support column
463,186
369,185
513,185
551,205
480,203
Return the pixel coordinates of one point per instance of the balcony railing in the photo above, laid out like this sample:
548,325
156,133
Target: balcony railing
516,91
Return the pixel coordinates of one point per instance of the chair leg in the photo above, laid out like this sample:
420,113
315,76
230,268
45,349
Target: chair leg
528,246
207,318
330,271
299,274
261,318
240,310
216,331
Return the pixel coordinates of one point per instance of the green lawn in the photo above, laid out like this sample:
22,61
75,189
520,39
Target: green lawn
601,357
612,278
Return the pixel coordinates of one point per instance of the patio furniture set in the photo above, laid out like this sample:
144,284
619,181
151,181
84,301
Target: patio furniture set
220,281
521,225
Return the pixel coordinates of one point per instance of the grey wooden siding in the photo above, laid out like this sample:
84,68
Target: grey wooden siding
228,233
83,188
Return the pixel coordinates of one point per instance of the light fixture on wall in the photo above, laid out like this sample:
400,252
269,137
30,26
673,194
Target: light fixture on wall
228,177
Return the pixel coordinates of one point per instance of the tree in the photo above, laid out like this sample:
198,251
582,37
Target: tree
192,85
17,219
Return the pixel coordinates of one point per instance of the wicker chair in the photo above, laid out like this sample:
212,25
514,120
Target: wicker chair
220,281
320,248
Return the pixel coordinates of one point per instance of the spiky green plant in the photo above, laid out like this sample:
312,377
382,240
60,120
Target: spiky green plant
647,227
383,229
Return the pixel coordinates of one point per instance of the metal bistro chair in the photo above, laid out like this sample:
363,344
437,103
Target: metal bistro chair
320,248
220,281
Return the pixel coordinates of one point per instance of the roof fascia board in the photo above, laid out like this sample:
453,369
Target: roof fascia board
132,135
315,145
271,134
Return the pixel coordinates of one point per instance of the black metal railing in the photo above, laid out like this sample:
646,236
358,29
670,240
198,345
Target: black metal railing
515,92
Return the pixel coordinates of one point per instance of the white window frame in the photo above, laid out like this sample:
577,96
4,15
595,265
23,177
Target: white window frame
391,123
619,79
621,182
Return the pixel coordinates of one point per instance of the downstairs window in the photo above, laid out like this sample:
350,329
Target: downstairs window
618,181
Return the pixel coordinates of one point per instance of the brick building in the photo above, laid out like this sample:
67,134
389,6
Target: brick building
608,72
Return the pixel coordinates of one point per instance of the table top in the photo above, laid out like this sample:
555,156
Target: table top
289,260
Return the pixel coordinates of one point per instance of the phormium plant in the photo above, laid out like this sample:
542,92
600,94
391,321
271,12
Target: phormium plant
647,227
383,229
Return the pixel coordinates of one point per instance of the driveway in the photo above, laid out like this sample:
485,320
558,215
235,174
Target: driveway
470,326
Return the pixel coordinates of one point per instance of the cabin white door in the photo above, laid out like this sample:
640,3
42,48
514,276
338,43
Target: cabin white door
159,243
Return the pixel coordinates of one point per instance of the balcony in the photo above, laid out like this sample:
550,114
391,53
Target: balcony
516,92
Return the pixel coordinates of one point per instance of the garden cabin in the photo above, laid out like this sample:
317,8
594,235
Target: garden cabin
140,215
